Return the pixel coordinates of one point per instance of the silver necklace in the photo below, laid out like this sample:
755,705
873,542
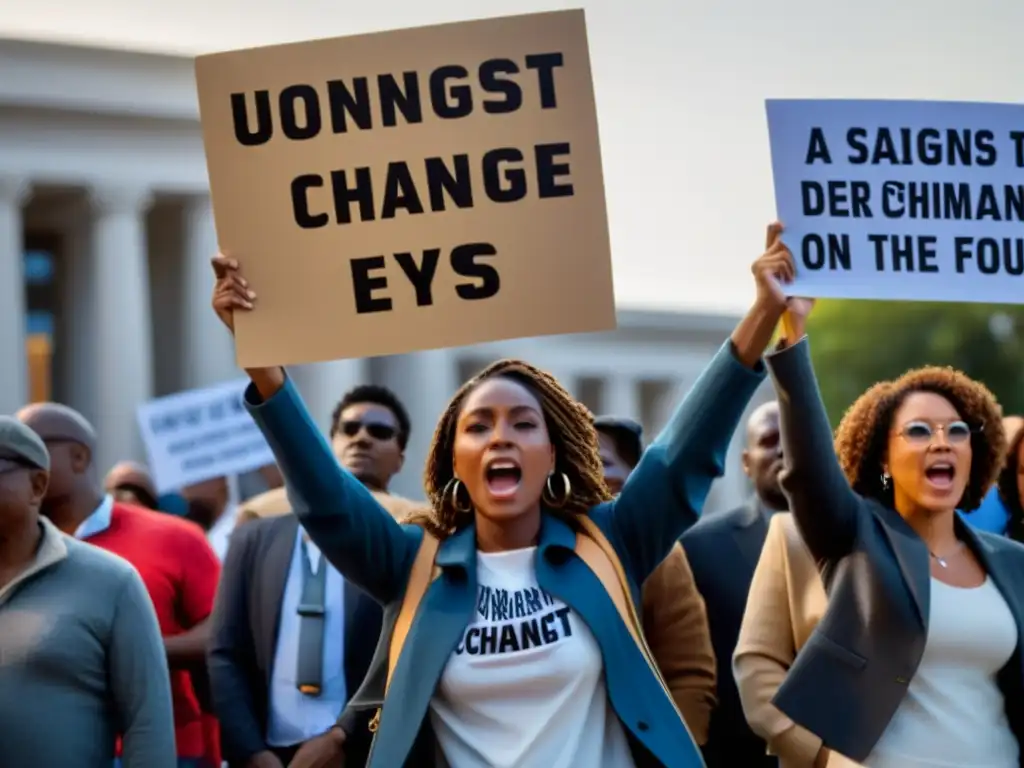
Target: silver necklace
942,560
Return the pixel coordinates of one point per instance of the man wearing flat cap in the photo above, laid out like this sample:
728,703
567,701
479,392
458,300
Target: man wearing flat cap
177,565
79,639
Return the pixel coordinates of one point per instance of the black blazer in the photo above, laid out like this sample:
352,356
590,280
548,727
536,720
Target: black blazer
245,622
723,550
850,677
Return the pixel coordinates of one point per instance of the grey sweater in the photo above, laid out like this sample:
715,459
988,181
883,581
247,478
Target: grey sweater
81,661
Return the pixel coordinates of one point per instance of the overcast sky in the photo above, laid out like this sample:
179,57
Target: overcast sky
680,90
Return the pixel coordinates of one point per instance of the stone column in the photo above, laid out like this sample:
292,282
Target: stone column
121,347
207,349
621,397
323,384
14,192
425,383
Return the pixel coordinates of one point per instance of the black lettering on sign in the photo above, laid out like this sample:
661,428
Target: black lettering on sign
841,199
369,281
990,255
952,201
905,253
955,147
817,148
1017,137
506,176
395,99
410,186
825,252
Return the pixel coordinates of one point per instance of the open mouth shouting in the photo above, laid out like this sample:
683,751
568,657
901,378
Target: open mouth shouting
503,478
941,475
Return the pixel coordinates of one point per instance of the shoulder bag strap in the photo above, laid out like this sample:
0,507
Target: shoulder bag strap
420,578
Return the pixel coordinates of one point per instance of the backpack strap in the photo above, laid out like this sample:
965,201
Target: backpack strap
420,578
594,549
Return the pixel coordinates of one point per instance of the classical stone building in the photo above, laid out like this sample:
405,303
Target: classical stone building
106,232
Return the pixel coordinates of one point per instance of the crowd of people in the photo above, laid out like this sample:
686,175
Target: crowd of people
559,599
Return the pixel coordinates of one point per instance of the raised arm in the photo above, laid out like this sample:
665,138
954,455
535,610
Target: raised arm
354,532
667,490
340,515
820,498
140,680
764,653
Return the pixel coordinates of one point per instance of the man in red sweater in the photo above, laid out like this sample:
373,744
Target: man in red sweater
176,563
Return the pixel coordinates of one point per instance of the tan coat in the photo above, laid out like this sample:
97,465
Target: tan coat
674,618
275,502
786,601
675,624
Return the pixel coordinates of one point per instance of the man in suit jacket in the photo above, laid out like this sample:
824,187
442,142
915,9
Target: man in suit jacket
723,550
274,707
786,602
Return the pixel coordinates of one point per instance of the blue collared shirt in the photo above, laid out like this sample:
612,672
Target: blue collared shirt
98,521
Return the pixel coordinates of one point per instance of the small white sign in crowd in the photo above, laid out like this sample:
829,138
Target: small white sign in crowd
200,434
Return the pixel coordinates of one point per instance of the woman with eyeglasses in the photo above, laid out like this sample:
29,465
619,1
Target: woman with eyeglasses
916,661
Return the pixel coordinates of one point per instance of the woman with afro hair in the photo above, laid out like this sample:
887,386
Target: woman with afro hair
916,662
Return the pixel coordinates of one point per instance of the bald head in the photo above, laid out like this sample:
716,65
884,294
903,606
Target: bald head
131,482
765,415
75,483
762,458
57,423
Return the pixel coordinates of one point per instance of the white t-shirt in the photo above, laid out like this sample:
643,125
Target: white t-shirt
525,686
953,715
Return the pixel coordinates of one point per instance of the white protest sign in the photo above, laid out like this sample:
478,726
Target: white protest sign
199,434
904,200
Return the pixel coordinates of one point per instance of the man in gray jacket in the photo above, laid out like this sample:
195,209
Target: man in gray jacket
81,658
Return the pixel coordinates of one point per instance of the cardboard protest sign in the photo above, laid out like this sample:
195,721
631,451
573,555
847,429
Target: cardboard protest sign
199,434
901,199
409,190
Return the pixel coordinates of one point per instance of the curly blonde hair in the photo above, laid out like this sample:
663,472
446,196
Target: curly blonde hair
570,427
862,437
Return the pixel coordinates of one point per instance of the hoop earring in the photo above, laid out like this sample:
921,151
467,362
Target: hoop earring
548,495
885,482
454,484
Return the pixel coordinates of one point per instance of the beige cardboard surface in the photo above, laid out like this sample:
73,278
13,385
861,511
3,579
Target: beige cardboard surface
550,257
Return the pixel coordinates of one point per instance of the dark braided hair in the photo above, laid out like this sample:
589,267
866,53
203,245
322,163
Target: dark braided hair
1009,491
570,427
862,437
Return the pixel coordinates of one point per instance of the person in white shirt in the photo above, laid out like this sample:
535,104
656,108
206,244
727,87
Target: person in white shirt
916,661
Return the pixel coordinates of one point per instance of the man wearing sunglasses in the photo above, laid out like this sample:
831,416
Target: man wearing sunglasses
369,432
292,640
